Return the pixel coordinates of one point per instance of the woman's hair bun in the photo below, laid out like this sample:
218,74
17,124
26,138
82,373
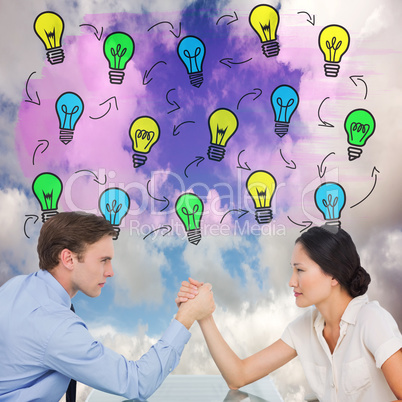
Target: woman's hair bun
359,282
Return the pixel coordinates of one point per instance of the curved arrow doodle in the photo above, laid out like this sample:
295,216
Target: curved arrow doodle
310,20
157,199
170,103
230,16
95,180
36,217
324,123
359,77
291,165
110,106
175,132
250,93
305,224
167,227
26,90
171,30
245,163
41,142
374,172
148,72
321,173
242,213
229,61
198,160
96,31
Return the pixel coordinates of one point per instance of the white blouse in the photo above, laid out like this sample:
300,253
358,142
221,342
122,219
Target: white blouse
368,337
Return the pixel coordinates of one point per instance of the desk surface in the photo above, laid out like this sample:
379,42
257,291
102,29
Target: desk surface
201,388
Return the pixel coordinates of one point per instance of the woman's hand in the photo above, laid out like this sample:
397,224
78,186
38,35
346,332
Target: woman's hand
188,291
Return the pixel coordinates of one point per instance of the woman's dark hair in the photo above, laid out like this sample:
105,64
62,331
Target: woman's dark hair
337,256
71,230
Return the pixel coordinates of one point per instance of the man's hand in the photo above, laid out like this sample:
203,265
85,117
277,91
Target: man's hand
196,308
188,291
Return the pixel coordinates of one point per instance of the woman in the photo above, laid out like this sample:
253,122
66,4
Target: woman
350,348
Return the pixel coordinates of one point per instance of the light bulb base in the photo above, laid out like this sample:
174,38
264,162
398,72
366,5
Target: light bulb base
354,153
331,69
271,48
194,236
216,153
196,79
66,136
116,232
48,214
139,160
116,77
332,226
281,129
55,56
263,215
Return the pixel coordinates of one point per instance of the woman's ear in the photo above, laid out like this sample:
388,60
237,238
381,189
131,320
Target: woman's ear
334,282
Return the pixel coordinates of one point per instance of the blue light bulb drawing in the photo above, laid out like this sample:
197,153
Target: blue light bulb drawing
284,100
114,204
69,108
191,51
330,199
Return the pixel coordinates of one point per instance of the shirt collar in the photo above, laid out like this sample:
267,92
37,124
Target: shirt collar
349,315
55,285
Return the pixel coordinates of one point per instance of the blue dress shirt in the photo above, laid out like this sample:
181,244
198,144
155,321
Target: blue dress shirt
43,344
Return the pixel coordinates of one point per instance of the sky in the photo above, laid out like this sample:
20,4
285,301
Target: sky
246,262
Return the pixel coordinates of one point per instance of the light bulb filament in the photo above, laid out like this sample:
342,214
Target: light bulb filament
48,197
113,209
330,206
68,117
333,46
262,197
144,135
193,66
185,212
51,37
266,30
117,55
220,134
284,108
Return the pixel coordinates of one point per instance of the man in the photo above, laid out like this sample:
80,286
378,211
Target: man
44,344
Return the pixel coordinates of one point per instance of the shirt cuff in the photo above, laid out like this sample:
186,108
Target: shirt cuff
176,335
387,350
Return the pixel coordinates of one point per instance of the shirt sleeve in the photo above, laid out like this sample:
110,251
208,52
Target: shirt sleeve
72,351
381,334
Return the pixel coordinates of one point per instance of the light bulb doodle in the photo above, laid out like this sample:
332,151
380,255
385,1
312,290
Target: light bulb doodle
359,126
47,188
189,208
49,27
330,199
69,108
284,101
333,42
223,124
114,204
144,133
191,51
264,19
261,185
118,49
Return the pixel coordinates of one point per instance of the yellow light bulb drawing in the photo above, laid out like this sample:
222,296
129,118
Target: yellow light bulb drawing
264,19
49,27
223,124
144,133
333,42
261,185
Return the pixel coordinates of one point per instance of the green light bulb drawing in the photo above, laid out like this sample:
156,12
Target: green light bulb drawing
47,188
359,125
118,49
189,208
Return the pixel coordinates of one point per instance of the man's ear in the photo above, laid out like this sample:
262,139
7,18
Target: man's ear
67,258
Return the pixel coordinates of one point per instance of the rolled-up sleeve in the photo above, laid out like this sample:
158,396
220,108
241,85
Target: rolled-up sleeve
72,351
